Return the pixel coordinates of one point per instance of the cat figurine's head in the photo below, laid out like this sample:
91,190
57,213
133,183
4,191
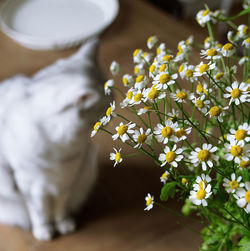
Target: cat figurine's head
68,95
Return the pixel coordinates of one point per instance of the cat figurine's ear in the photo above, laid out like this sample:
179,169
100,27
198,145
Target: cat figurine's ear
84,58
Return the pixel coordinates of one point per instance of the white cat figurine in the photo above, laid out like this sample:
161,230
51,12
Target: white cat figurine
47,165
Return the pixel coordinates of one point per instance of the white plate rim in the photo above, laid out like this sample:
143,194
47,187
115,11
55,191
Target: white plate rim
50,44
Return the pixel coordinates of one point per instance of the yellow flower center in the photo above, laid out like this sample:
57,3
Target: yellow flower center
181,67
248,82
170,156
244,164
166,131
207,40
219,75
163,67
108,112
97,126
236,93
125,81
129,95
212,52
180,133
247,40
158,50
147,108
167,58
203,184
136,70
205,13
189,73
136,52
245,30
179,53
153,94
247,196
240,134
149,201
139,78
203,155
164,78
105,84
228,47
184,181
122,129
138,97
236,151
203,68
219,45
199,88
117,157
181,95
201,194
199,103
164,175
234,184
152,68
179,48
215,111
141,138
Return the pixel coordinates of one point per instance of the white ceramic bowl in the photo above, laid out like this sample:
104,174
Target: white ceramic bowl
55,24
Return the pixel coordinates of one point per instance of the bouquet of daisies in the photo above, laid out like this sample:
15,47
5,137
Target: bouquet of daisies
194,124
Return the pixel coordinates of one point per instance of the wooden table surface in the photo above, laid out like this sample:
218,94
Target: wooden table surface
114,218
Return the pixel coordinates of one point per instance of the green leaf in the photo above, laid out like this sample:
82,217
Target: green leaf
168,190
244,244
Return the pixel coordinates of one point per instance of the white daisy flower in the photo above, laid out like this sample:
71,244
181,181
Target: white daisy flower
212,53
203,16
236,151
202,88
108,85
114,68
139,69
182,132
207,42
164,177
218,75
237,93
163,80
153,94
189,73
204,156
127,80
182,70
149,202
161,49
242,31
153,69
144,110
173,115
233,184
137,98
96,128
228,50
166,58
116,156
147,57
180,96
201,103
202,182
141,81
128,99
109,113
246,43
166,132
217,112
243,60
123,131
137,55
152,41
140,137
242,133
244,164
171,156
243,197
199,197
202,69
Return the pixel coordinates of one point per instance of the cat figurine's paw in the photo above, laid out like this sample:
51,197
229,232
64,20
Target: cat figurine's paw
66,226
43,232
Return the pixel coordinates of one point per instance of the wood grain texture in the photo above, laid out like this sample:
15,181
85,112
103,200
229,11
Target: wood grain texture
114,218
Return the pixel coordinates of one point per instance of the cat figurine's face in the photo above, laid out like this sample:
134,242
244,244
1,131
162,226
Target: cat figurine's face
47,165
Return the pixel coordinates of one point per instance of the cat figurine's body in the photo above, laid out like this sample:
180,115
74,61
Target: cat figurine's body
47,165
